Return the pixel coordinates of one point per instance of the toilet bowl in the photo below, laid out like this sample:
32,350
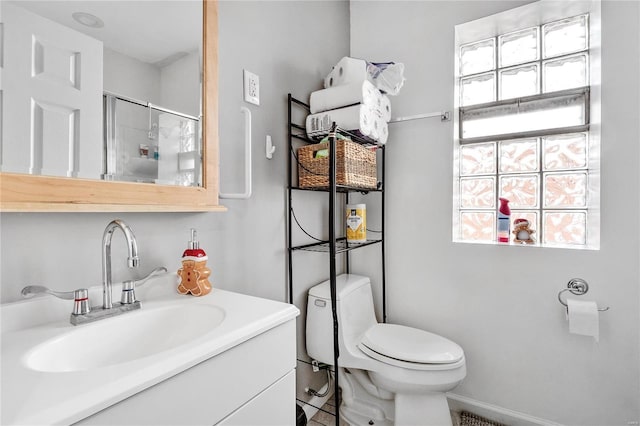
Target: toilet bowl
389,374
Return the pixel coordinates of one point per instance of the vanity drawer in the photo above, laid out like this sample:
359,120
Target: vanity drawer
272,407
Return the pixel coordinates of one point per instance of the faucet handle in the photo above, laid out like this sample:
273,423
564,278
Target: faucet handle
129,286
80,297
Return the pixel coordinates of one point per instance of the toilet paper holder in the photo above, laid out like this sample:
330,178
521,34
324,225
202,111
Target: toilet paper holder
577,286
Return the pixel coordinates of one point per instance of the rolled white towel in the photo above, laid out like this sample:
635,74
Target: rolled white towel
383,131
385,108
359,119
360,92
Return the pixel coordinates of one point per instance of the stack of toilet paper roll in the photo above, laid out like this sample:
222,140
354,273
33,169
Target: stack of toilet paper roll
355,106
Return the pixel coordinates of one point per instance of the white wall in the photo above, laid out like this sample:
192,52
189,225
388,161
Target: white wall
127,76
180,85
500,303
175,86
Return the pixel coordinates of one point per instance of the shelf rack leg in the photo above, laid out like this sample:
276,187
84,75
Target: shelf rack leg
384,284
332,263
289,193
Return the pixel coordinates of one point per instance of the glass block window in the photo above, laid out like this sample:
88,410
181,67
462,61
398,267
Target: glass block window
530,61
524,133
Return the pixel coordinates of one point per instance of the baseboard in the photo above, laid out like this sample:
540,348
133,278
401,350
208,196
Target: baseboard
495,413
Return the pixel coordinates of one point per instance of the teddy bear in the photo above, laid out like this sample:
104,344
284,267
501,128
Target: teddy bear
522,232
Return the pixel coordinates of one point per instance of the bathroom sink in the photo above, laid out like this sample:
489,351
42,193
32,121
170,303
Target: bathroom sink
124,338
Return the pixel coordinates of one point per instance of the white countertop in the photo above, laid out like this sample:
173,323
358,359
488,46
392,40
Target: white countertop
35,397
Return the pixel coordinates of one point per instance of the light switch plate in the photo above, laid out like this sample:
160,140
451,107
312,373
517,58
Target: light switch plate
251,87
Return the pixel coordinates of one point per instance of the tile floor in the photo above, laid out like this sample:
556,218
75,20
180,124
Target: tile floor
323,418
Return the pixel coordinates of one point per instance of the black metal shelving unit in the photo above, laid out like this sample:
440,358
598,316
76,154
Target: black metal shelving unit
334,245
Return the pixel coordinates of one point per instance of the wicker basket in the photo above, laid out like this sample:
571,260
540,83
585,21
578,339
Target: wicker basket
355,166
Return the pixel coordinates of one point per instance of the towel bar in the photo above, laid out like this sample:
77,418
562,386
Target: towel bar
577,286
444,116
247,159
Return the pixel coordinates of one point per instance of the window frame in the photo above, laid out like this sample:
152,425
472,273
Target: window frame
516,102
526,17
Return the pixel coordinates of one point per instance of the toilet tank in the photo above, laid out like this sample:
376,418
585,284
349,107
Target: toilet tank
354,302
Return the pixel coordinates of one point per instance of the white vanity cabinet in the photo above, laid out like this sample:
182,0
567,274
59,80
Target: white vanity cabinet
252,383
149,367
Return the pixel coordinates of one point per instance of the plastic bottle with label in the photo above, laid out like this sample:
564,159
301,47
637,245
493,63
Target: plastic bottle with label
504,221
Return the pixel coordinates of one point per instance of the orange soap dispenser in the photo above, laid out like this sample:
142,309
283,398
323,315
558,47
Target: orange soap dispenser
194,273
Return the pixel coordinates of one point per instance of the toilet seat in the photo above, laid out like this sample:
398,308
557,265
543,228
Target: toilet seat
410,348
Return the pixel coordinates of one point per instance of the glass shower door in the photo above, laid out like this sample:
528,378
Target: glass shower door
148,143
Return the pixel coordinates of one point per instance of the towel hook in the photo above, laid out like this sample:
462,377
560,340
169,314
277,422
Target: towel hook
577,286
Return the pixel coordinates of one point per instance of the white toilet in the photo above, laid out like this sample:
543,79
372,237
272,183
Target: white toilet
389,374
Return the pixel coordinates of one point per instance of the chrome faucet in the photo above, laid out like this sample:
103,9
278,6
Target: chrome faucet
82,311
132,260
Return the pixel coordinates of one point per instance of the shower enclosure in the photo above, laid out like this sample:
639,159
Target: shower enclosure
147,143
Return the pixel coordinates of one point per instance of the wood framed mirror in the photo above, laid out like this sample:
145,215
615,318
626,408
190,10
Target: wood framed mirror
31,193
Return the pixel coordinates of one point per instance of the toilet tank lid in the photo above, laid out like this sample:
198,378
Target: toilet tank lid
345,284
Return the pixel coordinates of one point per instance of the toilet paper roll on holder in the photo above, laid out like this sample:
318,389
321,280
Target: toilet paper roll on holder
577,286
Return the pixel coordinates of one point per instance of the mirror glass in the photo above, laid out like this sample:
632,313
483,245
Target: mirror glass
107,90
